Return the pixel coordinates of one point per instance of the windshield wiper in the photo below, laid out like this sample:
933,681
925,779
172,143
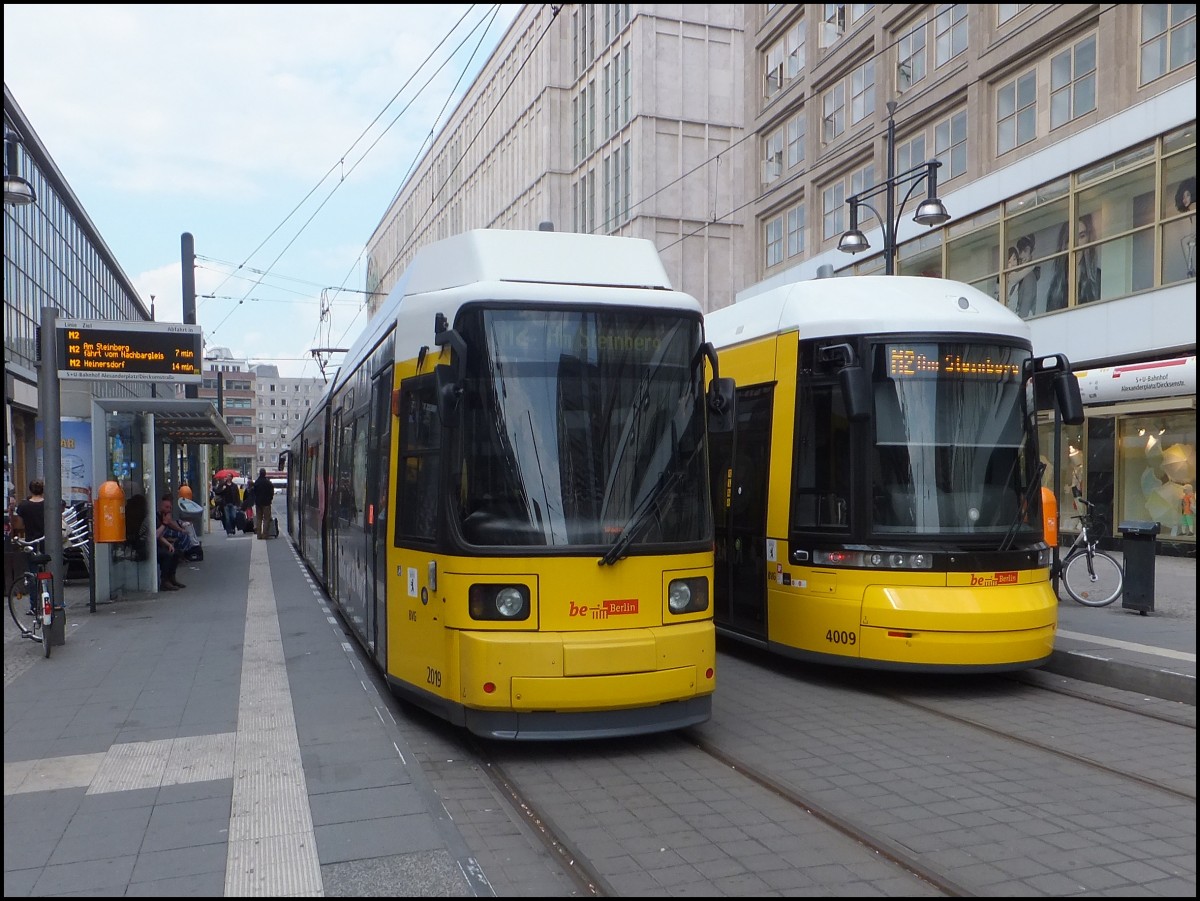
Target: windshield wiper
639,516
1035,484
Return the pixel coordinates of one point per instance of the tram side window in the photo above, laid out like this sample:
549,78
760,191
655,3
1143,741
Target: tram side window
417,463
344,506
821,481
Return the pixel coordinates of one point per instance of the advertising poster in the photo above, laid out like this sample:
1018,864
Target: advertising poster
77,482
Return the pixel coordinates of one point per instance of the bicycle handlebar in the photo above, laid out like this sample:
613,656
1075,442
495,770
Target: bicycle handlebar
28,546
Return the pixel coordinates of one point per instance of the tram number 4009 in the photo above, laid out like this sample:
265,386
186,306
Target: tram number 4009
834,636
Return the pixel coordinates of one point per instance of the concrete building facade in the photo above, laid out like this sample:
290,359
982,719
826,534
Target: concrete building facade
734,137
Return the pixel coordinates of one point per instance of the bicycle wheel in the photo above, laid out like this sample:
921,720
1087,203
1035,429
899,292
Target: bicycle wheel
18,606
1098,586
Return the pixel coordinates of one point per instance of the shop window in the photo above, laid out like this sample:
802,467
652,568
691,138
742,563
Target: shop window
1069,486
1035,250
1178,208
1117,215
973,253
921,256
1157,471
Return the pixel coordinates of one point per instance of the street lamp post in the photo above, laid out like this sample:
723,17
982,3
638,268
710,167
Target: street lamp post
930,211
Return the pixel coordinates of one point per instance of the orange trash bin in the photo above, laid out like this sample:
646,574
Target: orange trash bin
110,514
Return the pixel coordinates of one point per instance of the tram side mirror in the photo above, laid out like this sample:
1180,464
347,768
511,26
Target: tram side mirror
1068,397
856,392
722,405
449,391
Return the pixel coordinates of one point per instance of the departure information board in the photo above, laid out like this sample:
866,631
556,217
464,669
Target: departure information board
131,351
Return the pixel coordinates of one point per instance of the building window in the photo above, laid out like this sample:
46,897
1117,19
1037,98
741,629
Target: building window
797,129
910,153
773,70
1073,82
1005,11
772,167
863,180
833,25
833,202
833,106
1016,112
910,56
795,231
950,145
862,92
773,241
794,62
1168,38
950,28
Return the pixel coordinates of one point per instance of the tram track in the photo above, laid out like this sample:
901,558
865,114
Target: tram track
1121,773
676,813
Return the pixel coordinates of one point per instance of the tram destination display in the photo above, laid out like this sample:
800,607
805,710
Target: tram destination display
130,351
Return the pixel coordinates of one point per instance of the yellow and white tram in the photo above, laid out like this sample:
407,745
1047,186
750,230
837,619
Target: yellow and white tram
505,494
878,503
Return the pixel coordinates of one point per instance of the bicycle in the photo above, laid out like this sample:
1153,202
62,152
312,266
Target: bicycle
1092,577
31,597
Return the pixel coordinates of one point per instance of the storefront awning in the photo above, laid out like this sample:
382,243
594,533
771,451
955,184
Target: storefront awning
190,421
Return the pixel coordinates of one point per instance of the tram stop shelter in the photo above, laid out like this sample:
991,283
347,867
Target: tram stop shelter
145,445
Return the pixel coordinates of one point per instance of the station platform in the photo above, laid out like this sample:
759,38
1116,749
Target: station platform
1152,653
224,740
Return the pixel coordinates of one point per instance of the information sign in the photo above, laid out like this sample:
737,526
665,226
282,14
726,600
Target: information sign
130,351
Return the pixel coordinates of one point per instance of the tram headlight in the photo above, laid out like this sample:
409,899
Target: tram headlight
874,559
499,602
687,595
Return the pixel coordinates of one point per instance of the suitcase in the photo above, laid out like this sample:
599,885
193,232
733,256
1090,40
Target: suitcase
273,529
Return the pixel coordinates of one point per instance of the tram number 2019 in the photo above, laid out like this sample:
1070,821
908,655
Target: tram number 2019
834,636
433,676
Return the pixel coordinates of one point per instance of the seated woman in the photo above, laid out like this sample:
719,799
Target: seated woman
182,539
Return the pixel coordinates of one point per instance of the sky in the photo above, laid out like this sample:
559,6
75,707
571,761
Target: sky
276,136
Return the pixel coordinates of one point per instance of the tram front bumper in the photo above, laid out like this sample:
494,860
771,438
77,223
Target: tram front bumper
586,671
959,626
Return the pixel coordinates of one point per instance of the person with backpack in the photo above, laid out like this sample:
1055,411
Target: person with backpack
264,493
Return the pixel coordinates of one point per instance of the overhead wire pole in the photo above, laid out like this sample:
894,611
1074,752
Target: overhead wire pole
49,411
187,246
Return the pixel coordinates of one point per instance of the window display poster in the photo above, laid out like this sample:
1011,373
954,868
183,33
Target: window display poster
76,443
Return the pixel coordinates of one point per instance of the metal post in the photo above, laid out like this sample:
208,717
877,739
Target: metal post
187,246
889,227
221,413
49,412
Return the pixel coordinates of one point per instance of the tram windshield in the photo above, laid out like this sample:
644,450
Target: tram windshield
582,428
952,440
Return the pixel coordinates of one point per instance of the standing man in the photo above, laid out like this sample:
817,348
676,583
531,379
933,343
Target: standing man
227,497
264,493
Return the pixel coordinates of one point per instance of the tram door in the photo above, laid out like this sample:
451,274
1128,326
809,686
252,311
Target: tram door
741,460
379,445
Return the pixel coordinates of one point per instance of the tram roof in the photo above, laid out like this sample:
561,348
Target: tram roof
503,264
864,304
565,258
